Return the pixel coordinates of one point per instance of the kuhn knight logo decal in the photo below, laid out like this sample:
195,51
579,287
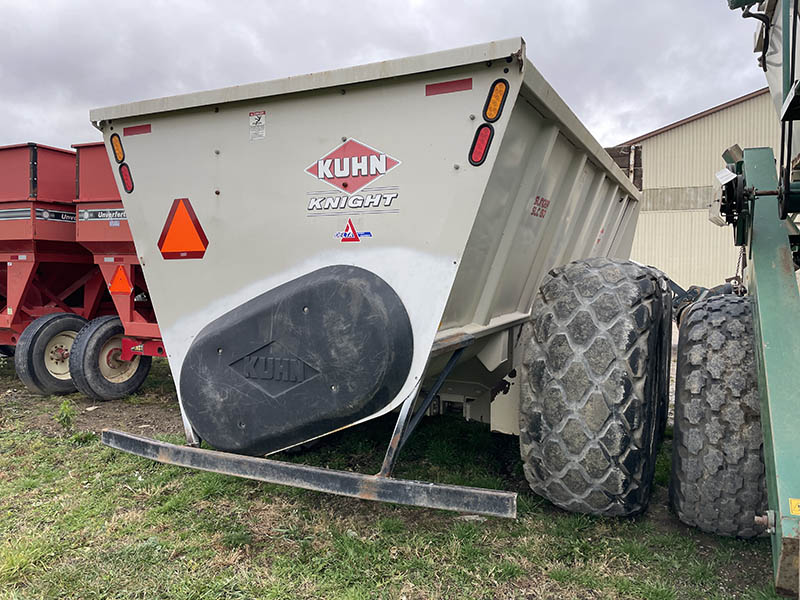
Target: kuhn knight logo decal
352,166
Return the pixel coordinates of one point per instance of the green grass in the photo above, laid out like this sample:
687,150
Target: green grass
79,520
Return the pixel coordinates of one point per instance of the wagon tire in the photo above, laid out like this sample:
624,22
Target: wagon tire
95,362
718,481
589,390
41,358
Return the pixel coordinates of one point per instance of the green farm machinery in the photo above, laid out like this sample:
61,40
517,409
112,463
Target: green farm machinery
760,199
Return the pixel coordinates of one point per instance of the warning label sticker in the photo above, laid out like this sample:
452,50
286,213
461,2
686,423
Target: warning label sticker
258,125
794,506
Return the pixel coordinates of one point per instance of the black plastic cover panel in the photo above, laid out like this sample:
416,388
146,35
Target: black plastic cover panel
306,358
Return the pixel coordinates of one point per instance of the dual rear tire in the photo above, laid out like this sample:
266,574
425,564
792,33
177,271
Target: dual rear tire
594,390
594,398
60,353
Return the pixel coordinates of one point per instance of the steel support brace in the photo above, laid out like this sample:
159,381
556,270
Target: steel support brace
776,314
344,483
404,428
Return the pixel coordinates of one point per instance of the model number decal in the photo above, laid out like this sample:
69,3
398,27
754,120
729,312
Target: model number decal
540,206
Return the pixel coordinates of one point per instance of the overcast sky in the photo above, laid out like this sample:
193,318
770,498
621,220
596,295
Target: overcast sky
625,67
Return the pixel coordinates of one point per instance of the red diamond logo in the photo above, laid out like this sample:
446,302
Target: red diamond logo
351,166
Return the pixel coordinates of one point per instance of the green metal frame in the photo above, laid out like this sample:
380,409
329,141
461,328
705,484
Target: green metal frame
776,312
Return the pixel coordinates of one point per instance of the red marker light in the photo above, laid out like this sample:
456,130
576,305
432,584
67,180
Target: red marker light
480,145
127,178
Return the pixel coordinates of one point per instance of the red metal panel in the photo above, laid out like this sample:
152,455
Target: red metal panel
103,228
16,224
56,175
54,221
15,164
95,178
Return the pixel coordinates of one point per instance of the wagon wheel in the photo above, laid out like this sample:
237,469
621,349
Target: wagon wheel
96,361
43,351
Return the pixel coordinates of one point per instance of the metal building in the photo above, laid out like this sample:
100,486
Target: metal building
674,166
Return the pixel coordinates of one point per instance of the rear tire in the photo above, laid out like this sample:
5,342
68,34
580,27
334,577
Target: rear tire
664,357
589,406
718,481
42,353
96,367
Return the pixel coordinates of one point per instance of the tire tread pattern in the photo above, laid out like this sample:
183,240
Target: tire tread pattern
588,410
718,481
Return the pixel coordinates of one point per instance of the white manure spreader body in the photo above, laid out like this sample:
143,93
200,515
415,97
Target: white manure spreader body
320,248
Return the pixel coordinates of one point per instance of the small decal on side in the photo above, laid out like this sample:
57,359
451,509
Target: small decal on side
112,215
350,234
600,236
54,215
540,206
258,125
794,506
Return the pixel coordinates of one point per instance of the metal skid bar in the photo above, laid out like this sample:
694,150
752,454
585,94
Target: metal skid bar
343,483
380,487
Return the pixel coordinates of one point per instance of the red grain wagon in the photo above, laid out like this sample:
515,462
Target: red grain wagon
112,354
48,283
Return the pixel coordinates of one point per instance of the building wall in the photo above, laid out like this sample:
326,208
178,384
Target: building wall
686,246
678,168
689,155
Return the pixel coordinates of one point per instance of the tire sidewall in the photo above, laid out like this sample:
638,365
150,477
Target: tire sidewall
45,331
86,357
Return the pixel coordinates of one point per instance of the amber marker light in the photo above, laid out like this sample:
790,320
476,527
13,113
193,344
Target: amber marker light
116,146
496,100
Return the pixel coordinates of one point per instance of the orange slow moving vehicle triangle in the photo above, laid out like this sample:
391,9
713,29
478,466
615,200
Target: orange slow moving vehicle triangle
120,284
182,236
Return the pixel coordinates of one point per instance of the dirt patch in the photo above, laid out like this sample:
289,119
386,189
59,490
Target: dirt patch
154,410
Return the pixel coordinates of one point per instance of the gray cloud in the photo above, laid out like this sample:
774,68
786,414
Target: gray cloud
624,67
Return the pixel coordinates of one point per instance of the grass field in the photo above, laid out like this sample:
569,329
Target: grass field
79,520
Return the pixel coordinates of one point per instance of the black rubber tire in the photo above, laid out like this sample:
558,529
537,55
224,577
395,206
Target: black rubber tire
84,362
664,358
7,351
29,356
718,481
589,395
